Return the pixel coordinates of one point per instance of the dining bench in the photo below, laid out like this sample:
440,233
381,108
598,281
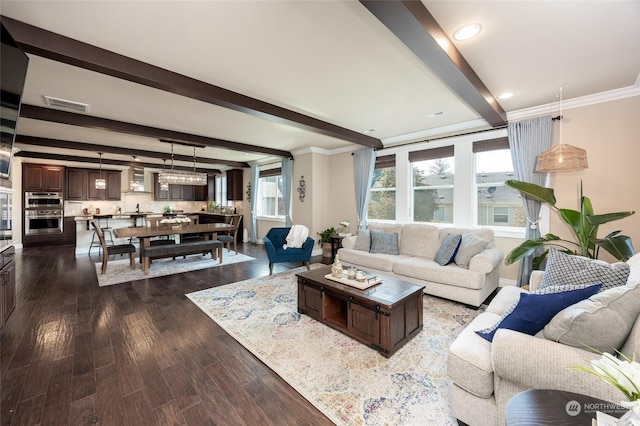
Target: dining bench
171,250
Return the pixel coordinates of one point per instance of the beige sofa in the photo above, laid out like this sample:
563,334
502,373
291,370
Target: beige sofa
486,375
418,245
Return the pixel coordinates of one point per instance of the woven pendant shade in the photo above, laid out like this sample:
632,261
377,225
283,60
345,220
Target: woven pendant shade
562,158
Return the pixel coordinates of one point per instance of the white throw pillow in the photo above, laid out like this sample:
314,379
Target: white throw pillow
601,322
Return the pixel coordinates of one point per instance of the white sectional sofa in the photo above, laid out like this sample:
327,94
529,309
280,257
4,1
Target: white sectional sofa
417,247
486,375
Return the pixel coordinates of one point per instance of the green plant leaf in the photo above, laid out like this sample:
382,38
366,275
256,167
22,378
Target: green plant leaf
540,193
528,247
608,217
619,246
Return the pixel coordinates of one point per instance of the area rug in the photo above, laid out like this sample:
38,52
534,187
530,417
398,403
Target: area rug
349,382
120,271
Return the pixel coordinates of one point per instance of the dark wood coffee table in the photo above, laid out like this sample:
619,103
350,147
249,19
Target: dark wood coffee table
384,317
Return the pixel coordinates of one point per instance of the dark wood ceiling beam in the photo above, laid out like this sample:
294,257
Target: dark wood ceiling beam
57,143
107,161
412,23
63,49
82,120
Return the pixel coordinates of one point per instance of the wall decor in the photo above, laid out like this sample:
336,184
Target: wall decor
302,189
248,192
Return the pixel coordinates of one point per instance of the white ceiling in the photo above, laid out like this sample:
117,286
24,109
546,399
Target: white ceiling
331,60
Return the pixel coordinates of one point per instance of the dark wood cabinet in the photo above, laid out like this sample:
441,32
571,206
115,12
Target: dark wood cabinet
81,185
234,184
7,284
42,177
76,184
69,230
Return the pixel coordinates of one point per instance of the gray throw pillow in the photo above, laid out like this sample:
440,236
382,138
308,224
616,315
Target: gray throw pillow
448,249
601,322
563,268
363,240
384,242
470,245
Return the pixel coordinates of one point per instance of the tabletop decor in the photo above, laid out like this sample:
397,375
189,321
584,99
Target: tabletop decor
175,220
623,373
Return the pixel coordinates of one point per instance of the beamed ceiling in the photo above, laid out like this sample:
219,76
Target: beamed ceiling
258,81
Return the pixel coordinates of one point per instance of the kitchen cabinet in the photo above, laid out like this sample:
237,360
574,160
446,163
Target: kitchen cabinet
234,184
42,177
7,284
81,185
69,230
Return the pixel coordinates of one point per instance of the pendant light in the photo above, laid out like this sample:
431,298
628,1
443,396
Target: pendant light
175,177
164,186
562,157
100,182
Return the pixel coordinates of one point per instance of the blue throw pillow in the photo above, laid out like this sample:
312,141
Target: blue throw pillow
384,242
448,249
534,311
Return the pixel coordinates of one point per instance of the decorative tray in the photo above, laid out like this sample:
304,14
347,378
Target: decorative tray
370,281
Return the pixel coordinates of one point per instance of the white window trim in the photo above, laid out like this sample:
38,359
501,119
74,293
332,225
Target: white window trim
464,196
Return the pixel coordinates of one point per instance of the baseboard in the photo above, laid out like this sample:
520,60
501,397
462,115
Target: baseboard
503,282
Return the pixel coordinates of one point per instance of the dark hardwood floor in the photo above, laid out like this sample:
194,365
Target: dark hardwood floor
139,353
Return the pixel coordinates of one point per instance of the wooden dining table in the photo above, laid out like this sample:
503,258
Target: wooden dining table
145,233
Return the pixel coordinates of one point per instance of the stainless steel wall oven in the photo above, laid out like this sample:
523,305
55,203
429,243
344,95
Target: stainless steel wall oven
40,200
39,221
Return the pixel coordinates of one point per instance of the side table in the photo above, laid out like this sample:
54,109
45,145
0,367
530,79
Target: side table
336,243
554,407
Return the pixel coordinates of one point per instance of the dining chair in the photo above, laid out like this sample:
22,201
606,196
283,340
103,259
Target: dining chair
154,222
113,249
231,236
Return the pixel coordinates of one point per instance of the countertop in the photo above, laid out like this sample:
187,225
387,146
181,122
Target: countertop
132,215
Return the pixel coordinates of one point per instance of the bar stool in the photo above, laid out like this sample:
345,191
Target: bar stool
107,232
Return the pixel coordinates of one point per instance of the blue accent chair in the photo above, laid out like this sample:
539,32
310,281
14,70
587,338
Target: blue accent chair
276,238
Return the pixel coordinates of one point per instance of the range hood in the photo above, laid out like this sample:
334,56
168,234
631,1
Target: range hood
136,179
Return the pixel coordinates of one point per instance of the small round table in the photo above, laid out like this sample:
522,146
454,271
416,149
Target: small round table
553,407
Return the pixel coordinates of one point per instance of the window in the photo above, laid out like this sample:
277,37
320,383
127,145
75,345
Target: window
270,200
382,202
221,191
497,204
432,184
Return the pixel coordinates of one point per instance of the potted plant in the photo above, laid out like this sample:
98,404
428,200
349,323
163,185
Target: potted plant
325,241
584,225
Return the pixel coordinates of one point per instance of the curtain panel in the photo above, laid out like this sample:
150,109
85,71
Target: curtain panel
527,139
255,174
364,163
287,176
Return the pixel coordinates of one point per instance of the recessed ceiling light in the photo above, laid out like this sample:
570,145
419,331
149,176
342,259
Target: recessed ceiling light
434,114
466,32
506,95
369,131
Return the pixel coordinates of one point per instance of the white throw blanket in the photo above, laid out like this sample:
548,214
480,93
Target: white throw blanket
296,237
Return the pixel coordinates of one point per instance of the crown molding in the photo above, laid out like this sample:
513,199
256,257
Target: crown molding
583,101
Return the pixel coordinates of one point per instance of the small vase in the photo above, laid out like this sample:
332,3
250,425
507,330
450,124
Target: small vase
336,268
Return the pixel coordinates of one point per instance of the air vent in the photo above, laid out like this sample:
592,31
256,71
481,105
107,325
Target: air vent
63,103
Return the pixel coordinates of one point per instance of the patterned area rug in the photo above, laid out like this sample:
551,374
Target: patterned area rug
349,382
119,271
